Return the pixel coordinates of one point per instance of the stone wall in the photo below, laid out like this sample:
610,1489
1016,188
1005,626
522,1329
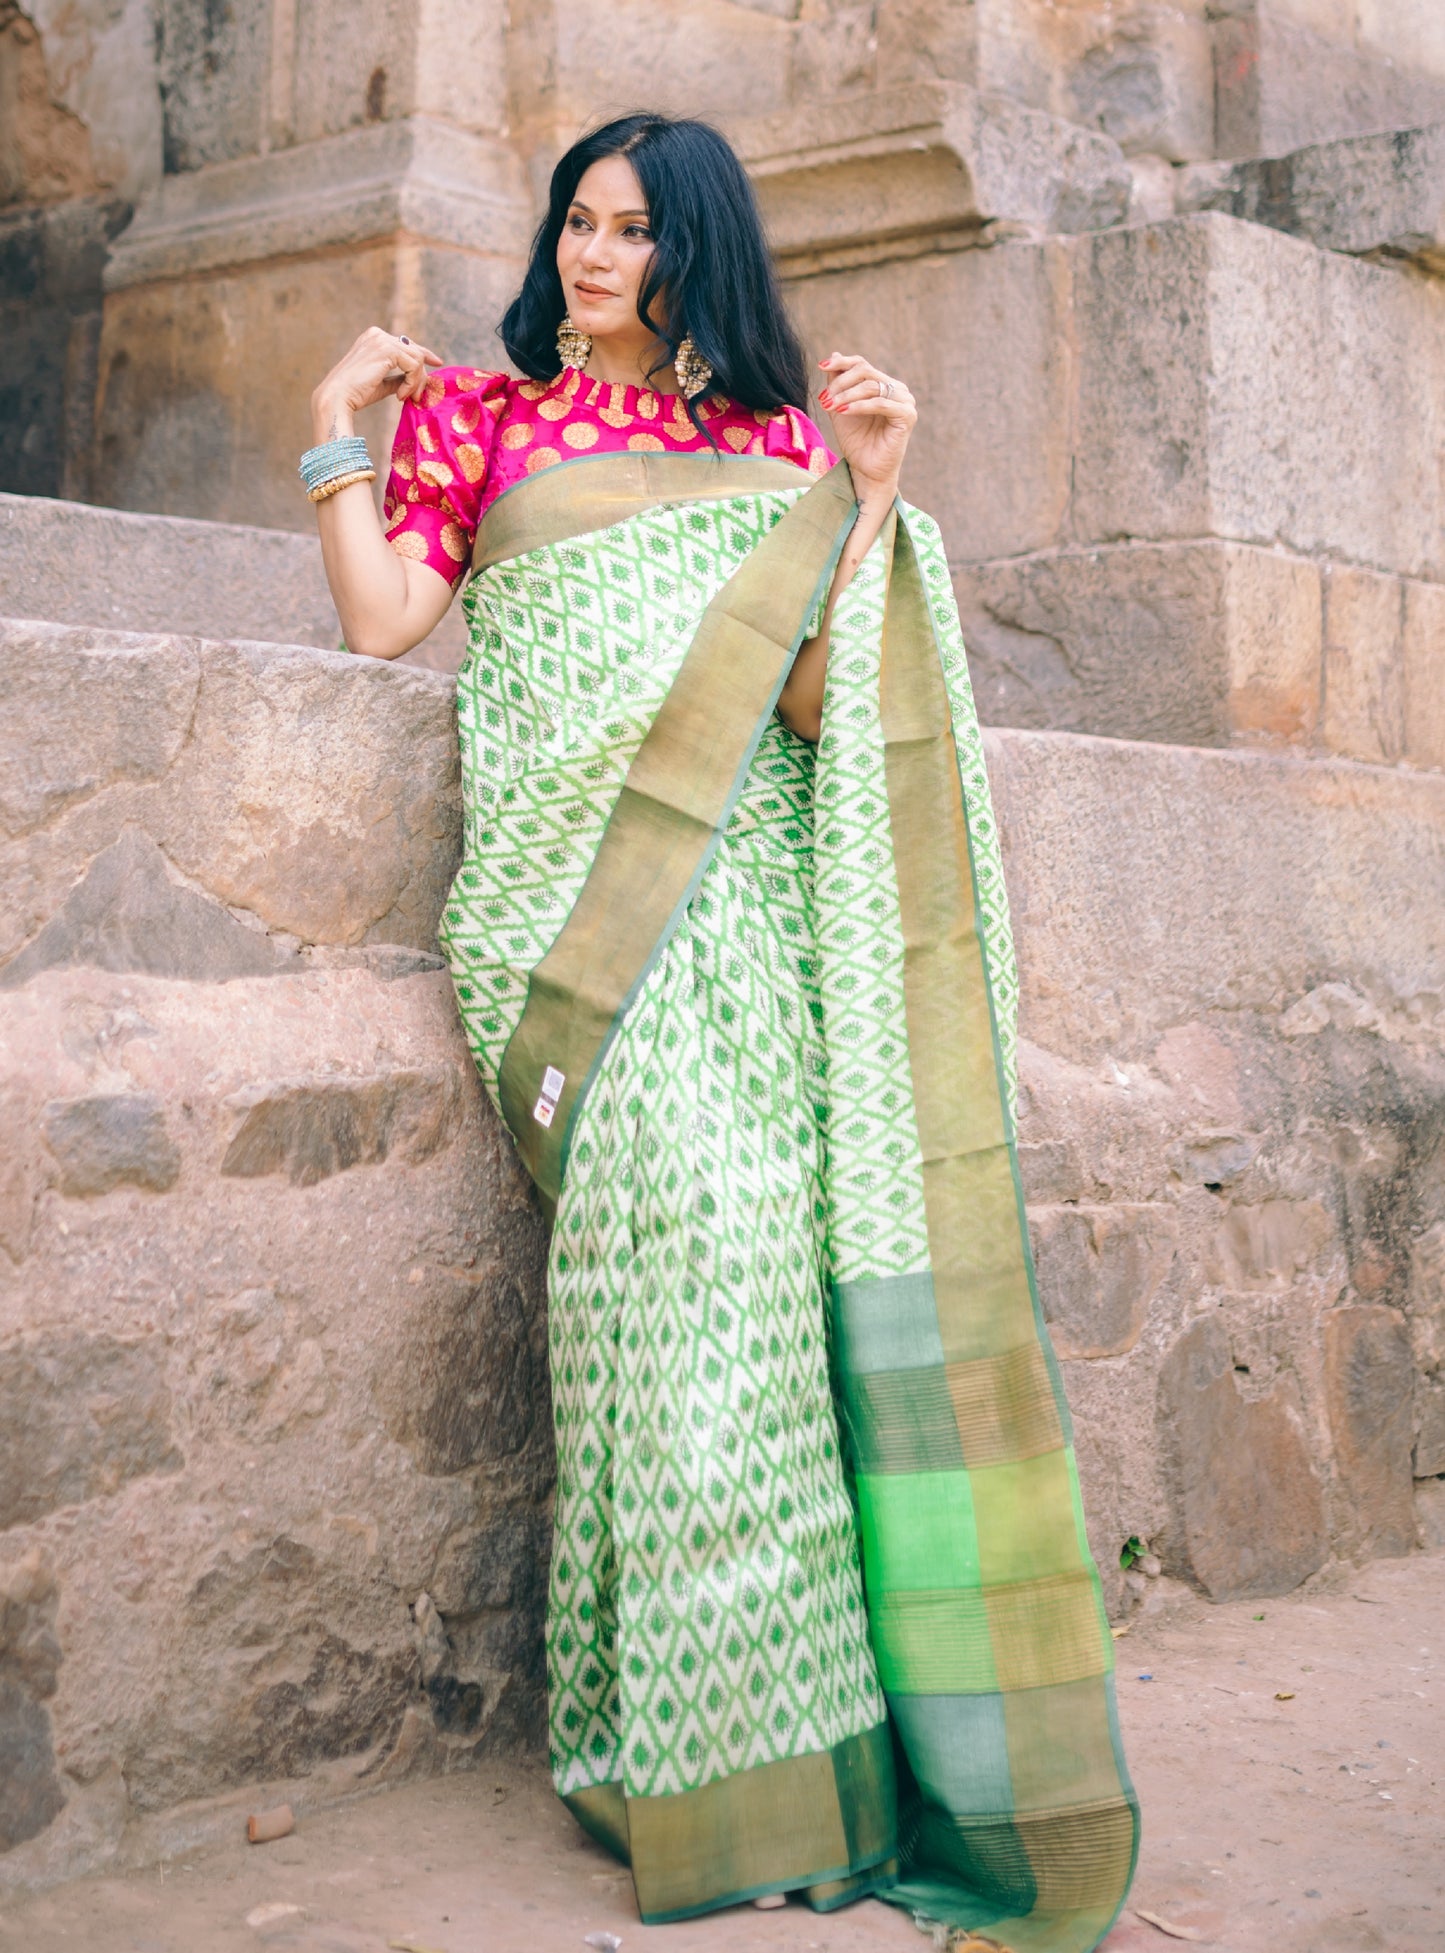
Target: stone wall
1167,280
274,1445
283,171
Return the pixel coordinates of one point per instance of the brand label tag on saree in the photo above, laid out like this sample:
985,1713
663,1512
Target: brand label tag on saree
552,1083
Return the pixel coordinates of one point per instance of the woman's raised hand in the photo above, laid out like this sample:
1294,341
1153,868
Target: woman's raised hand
873,416
379,366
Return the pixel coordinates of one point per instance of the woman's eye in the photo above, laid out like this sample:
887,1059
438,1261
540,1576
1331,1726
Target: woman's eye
638,230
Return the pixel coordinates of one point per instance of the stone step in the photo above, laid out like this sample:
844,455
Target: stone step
1210,643
260,1233
73,563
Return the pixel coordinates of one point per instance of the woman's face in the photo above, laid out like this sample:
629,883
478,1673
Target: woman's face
603,255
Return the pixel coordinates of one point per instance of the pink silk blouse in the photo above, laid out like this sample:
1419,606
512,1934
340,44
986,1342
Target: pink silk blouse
474,434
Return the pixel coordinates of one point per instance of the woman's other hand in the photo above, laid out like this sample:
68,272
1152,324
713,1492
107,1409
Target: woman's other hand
873,415
379,366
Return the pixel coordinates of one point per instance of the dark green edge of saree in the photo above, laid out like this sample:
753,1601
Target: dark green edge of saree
625,486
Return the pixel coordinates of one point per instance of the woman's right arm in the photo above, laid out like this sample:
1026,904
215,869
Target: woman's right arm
386,604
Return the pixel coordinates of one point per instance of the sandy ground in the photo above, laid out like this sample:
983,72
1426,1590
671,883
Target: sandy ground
1301,1825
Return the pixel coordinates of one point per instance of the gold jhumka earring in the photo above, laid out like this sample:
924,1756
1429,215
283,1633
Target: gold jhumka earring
694,375
574,347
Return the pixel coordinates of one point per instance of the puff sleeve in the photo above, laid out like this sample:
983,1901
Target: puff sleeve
439,464
791,436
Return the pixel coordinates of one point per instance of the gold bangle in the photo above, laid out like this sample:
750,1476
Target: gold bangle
338,482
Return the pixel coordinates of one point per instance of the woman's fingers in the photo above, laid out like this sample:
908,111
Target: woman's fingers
845,376
871,391
855,380
906,414
870,388
407,375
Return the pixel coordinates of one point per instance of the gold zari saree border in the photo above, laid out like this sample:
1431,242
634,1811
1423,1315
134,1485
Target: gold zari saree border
683,780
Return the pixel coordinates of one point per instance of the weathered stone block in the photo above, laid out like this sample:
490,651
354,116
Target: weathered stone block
1166,914
1210,402
288,256
1251,1509
295,796
79,1416
358,64
311,1128
1214,1160
1430,1512
1266,1244
415,176
1281,82
1429,1453
1411,33
214,71
51,260
1147,80
71,563
353,838
1364,703
326,1661
31,1795
1099,1269
1162,382
188,427
502,1565
242,1612
128,912
1369,1380
119,712
865,174
74,564
1375,193
572,66
1423,666
465,1390
1191,643
113,1140
1003,319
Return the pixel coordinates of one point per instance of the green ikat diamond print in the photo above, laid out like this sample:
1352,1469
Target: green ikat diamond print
706,1612
572,649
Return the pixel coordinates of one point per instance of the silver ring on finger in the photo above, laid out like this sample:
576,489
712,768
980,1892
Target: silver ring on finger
403,338
885,389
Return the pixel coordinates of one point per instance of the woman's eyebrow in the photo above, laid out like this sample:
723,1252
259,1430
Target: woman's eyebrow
587,210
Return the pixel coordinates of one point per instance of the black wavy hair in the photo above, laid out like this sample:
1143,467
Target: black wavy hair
710,264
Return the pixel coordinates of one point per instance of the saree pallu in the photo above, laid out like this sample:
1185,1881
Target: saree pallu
822,1614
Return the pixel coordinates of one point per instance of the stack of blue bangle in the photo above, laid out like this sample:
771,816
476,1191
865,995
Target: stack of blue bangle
335,465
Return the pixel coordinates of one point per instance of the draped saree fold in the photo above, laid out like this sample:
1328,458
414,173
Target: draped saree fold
747,1011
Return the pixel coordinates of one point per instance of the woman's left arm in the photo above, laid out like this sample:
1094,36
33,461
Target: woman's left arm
873,416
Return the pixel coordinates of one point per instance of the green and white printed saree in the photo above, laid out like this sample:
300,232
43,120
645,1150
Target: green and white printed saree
747,1008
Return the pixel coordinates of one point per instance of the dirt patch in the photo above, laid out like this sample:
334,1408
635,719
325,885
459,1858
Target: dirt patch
1288,1754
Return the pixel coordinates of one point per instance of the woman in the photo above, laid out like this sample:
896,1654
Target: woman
732,954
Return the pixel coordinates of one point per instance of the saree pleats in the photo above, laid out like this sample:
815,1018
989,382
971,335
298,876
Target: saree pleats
748,1013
